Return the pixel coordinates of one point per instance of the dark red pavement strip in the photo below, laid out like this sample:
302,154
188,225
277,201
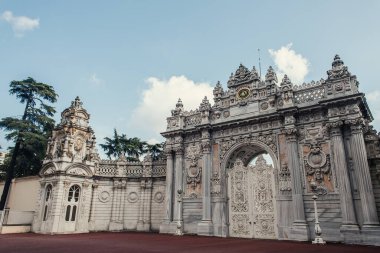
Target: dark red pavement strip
127,242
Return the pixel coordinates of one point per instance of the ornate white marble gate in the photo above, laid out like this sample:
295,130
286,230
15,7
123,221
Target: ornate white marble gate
251,201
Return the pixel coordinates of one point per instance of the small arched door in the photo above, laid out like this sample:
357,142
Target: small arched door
72,204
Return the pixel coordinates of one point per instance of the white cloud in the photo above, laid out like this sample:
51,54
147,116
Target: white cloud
20,24
95,80
373,96
160,98
290,63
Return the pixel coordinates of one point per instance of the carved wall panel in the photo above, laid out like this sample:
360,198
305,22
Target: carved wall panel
317,166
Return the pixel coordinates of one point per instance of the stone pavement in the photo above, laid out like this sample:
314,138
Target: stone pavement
148,242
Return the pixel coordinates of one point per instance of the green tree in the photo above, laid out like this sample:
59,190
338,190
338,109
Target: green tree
155,150
118,145
29,133
114,147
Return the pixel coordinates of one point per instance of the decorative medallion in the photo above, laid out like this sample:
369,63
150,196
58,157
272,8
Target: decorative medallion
132,197
158,197
264,105
104,196
243,93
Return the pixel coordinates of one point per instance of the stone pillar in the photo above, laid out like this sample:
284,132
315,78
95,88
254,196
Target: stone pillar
349,227
359,157
140,221
115,223
205,226
91,219
299,229
178,172
168,216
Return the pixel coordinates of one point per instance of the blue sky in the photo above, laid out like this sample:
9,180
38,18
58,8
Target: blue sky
129,61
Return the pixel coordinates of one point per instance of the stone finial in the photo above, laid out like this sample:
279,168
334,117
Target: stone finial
77,104
337,61
205,105
254,74
178,108
218,90
286,81
338,69
179,103
271,75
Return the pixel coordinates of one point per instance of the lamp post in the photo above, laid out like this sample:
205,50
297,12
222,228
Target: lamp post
318,231
179,230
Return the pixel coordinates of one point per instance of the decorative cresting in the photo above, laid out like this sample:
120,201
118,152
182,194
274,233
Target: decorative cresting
318,166
251,200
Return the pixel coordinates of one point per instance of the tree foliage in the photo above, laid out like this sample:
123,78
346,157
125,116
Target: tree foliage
30,132
131,148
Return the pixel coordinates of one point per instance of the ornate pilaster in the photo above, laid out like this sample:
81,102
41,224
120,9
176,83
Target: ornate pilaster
117,205
205,226
349,226
168,212
300,230
178,173
359,157
95,187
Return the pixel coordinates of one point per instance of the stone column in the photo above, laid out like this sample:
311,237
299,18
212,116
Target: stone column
91,219
349,226
168,205
169,188
205,226
140,221
359,157
178,172
115,223
299,230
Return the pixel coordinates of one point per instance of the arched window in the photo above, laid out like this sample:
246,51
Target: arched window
48,197
72,203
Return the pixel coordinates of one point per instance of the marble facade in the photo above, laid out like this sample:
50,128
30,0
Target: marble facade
317,133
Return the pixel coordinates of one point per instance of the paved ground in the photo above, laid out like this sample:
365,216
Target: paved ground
146,242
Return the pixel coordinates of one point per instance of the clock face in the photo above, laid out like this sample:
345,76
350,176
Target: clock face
243,93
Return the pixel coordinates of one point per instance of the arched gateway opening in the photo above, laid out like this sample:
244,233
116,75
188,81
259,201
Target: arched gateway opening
250,188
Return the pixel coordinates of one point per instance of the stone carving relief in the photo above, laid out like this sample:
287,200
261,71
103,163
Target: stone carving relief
104,196
158,197
284,179
318,166
267,139
77,171
194,171
132,197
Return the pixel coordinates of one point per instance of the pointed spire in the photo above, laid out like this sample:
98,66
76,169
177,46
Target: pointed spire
337,61
218,85
254,74
271,75
338,69
77,104
205,105
179,103
178,108
286,81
